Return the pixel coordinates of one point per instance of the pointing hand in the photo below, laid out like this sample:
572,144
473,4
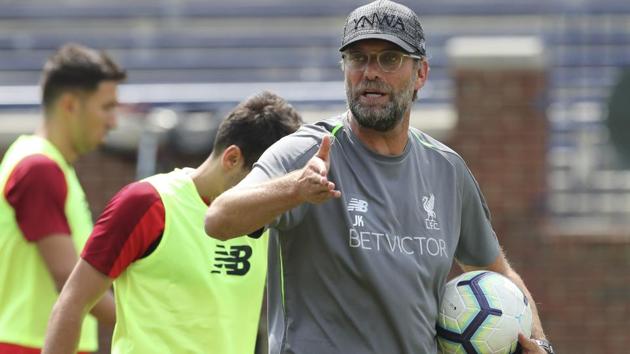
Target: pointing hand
313,183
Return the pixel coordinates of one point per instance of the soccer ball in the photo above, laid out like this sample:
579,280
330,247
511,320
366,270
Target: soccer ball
482,312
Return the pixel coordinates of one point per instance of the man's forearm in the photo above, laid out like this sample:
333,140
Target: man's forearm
241,211
64,329
502,266
537,330
85,288
105,310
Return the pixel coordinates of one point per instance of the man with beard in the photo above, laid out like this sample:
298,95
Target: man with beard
366,213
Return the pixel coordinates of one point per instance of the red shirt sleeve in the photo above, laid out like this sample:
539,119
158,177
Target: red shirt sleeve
37,191
128,228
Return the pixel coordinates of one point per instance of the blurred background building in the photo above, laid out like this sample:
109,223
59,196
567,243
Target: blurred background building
534,94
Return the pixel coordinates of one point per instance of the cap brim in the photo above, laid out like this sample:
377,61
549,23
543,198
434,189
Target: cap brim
387,37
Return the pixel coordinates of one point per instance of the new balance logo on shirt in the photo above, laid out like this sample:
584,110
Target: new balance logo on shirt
359,205
232,260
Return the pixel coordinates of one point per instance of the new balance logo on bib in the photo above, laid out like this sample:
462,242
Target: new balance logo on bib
232,260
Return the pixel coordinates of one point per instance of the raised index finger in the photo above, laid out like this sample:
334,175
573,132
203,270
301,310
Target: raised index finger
324,148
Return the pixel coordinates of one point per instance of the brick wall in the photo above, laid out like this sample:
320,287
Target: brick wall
102,174
580,283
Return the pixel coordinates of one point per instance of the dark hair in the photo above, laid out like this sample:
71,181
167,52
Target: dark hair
76,68
255,124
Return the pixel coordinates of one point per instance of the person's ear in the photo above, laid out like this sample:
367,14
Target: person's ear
423,74
231,157
68,103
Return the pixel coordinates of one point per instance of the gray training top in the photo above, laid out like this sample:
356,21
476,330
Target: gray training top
364,273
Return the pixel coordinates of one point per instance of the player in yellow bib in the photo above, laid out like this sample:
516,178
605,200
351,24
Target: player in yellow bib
44,216
177,290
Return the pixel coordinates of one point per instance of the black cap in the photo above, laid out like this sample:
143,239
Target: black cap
387,20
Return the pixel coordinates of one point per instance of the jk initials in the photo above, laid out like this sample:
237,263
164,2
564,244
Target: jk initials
358,220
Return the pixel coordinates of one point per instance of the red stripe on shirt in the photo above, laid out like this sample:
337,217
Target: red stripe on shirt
131,222
36,189
6,348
